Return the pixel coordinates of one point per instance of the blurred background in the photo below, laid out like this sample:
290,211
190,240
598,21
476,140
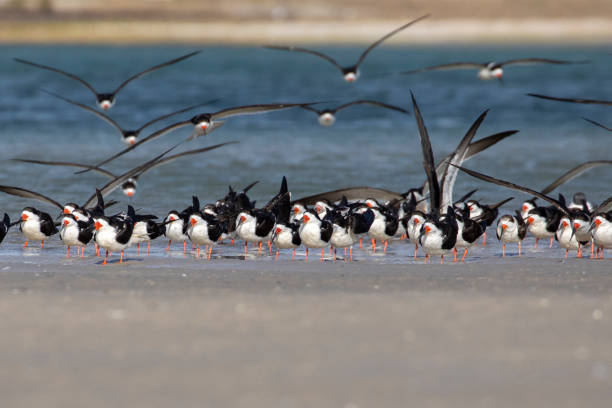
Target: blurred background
248,21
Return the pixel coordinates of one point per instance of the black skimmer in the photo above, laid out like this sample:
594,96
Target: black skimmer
511,229
175,228
348,223
484,212
542,222
75,233
204,229
438,234
145,229
203,124
106,100
4,226
493,69
327,117
384,226
349,73
315,233
113,233
572,100
414,222
36,225
255,226
128,186
286,233
601,228
468,231
128,136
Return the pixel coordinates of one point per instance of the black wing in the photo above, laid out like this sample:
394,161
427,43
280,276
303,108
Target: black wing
327,229
167,115
265,223
91,110
156,67
450,174
441,67
369,102
169,159
428,160
152,136
47,226
598,124
307,51
252,109
59,71
383,38
69,164
513,186
116,182
529,61
22,192
351,193
572,100
575,172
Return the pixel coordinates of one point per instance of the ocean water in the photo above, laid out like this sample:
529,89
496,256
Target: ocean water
366,145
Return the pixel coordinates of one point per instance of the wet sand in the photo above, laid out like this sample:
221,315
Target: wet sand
517,332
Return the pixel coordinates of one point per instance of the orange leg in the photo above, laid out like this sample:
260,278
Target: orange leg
148,247
351,252
83,252
210,253
270,247
592,248
373,245
97,249
345,252
334,255
504,250
322,253
105,256
536,243
259,250
184,247
360,243
67,252
198,252
25,245
441,259
455,254
306,259
551,242
579,252
42,244
426,258
464,255
519,245
293,255
246,245
277,252
484,239
416,248
232,241
168,247
566,253
121,258
386,244
138,248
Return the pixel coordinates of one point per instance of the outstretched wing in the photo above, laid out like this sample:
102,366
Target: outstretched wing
59,71
598,124
307,51
573,173
68,164
156,67
383,38
351,193
444,67
252,109
149,123
370,102
530,61
22,192
572,100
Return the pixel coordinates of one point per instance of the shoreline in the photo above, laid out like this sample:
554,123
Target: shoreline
502,31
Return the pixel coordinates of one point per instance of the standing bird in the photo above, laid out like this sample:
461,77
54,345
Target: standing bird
75,233
315,233
204,229
486,213
327,117
113,233
511,229
490,70
36,226
286,233
349,73
106,100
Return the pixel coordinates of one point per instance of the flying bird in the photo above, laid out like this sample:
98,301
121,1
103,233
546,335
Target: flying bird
350,73
107,99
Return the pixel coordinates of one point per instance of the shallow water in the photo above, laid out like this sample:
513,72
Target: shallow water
366,146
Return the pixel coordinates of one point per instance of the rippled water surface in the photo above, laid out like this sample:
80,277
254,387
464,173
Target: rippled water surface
366,146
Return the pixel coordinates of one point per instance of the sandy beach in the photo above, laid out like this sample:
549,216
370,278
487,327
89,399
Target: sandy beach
530,332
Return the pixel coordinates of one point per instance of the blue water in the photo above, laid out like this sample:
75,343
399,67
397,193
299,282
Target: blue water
366,146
